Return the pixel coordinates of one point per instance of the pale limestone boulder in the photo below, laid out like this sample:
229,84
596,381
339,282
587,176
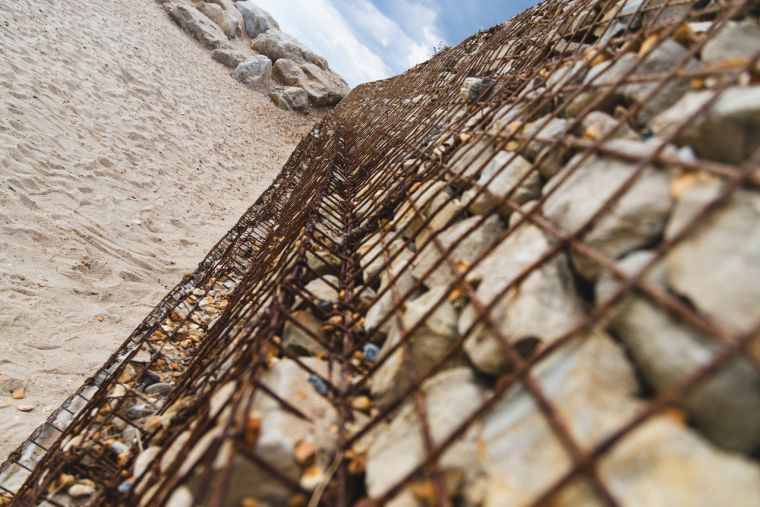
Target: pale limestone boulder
632,221
216,13
229,57
533,313
726,408
290,98
324,87
510,174
279,45
196,24
427,345
727,130
255,19
473,243
397,447
255,72
717,265
591,385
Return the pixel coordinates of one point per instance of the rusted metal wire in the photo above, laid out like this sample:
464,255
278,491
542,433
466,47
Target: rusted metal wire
322,308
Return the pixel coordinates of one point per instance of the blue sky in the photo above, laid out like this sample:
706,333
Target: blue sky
366,40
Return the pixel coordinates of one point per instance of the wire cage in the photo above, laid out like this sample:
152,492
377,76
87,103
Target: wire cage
524,273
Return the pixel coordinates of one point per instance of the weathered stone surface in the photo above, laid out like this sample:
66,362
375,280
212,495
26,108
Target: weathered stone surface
290,98
591,385
229,57
199,26
220,16
398,447
323,262
736,40
608,74
467,250
282,430
296,339
255,72
397,277
431,203
533,313
503,177
727,131
276,45
661,59
471,159
324,87
727,406
372,258
427,344
255,19
717,265
633,221
323,288
597,124
473,88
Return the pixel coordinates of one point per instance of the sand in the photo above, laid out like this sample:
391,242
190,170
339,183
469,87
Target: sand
126,152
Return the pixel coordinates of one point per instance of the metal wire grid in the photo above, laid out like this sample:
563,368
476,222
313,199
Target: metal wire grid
365,189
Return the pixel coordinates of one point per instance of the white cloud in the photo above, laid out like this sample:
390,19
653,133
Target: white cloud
360,42
319,25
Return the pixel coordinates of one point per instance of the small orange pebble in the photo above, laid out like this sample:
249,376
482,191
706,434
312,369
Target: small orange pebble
297,501
648,44
697,83
252,429
19,393
675,414
357,463
304,451
592,133
362,403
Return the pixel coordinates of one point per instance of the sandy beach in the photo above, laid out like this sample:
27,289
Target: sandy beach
125,153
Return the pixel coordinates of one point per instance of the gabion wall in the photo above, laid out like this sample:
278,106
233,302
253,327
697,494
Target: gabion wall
524,273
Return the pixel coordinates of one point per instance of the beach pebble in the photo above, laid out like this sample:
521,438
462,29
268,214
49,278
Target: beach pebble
370,352
139,411
80,490
159,389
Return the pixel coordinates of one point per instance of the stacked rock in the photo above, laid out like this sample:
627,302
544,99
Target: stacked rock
244,37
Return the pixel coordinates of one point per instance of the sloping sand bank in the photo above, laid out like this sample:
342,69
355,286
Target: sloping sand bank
125,153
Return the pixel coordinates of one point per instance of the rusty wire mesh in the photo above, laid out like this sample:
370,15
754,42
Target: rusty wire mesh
522,273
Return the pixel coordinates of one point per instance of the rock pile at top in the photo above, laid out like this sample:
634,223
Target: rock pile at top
460,291
245,38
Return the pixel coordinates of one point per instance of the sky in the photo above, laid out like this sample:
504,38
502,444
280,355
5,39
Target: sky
367,40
